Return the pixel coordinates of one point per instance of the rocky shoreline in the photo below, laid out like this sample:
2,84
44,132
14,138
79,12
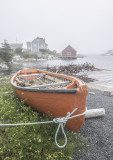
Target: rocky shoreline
17,60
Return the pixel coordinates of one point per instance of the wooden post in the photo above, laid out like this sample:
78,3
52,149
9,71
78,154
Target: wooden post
95,113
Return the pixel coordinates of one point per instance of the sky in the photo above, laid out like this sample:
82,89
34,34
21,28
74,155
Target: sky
86,25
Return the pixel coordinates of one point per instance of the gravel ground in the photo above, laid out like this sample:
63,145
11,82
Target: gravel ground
99,131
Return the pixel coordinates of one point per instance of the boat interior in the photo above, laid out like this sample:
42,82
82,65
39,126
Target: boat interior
41,80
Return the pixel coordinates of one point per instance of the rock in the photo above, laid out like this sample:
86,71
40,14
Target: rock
17,59
108,53
108,93
4,66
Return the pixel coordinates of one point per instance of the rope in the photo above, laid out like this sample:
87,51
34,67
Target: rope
21,124
61,121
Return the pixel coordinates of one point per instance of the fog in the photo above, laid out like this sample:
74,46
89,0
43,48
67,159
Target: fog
86,25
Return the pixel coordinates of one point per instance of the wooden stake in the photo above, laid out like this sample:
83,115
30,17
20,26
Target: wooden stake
95,113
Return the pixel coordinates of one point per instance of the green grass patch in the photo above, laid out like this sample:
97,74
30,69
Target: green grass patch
34,142
1,60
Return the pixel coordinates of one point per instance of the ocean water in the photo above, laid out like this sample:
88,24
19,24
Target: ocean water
104,78
102,62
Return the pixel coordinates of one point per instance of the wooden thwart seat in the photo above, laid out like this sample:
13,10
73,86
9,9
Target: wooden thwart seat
51,85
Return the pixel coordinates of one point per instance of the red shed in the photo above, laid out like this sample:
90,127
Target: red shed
69,52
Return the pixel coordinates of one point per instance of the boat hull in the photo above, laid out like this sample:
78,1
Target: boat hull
56,103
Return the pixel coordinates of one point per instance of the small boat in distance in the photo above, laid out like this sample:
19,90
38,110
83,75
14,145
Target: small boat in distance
51,93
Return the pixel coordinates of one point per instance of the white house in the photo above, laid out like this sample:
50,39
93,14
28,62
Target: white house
37,46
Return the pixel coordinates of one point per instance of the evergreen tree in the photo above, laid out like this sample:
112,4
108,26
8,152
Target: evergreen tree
5,52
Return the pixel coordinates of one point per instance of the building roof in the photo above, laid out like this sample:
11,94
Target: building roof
69,48
40,39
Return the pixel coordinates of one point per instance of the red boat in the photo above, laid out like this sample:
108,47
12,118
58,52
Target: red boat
51,93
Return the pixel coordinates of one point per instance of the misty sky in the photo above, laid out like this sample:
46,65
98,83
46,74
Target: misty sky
87,25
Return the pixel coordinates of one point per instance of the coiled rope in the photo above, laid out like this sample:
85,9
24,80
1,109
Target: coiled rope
61,121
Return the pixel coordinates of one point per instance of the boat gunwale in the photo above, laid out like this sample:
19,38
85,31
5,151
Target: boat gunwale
66,91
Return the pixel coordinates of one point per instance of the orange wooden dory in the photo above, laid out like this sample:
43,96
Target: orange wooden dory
55,102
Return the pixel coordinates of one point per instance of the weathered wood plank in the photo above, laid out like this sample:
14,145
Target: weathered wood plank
31,75
52,78
52,84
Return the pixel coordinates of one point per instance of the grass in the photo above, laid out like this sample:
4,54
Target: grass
35,142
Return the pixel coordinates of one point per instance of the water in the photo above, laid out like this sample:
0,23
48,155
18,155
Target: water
102,62
105,77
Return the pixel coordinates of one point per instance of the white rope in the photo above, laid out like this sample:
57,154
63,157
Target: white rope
61,121
65,137
21,124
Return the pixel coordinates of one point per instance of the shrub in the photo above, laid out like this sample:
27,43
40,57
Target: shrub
29,55
1,60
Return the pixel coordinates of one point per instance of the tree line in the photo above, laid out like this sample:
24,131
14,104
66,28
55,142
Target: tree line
6,53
